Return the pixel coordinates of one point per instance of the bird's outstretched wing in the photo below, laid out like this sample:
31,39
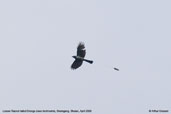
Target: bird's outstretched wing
77,63
81,50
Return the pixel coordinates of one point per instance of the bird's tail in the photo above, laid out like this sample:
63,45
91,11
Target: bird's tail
89,61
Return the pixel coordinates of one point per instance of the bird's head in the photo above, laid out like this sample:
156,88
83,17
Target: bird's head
74,57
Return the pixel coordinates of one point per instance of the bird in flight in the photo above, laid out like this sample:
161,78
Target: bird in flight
81,52
116,69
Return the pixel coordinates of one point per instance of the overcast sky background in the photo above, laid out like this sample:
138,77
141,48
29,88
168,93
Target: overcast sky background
39,37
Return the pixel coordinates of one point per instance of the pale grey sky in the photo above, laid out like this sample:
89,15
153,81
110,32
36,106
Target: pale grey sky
39,37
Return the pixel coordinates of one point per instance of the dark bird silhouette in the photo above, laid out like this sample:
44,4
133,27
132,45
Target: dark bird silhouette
81,52
116,69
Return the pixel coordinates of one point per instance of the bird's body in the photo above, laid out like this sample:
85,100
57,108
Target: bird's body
116,69
78,57
81,52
